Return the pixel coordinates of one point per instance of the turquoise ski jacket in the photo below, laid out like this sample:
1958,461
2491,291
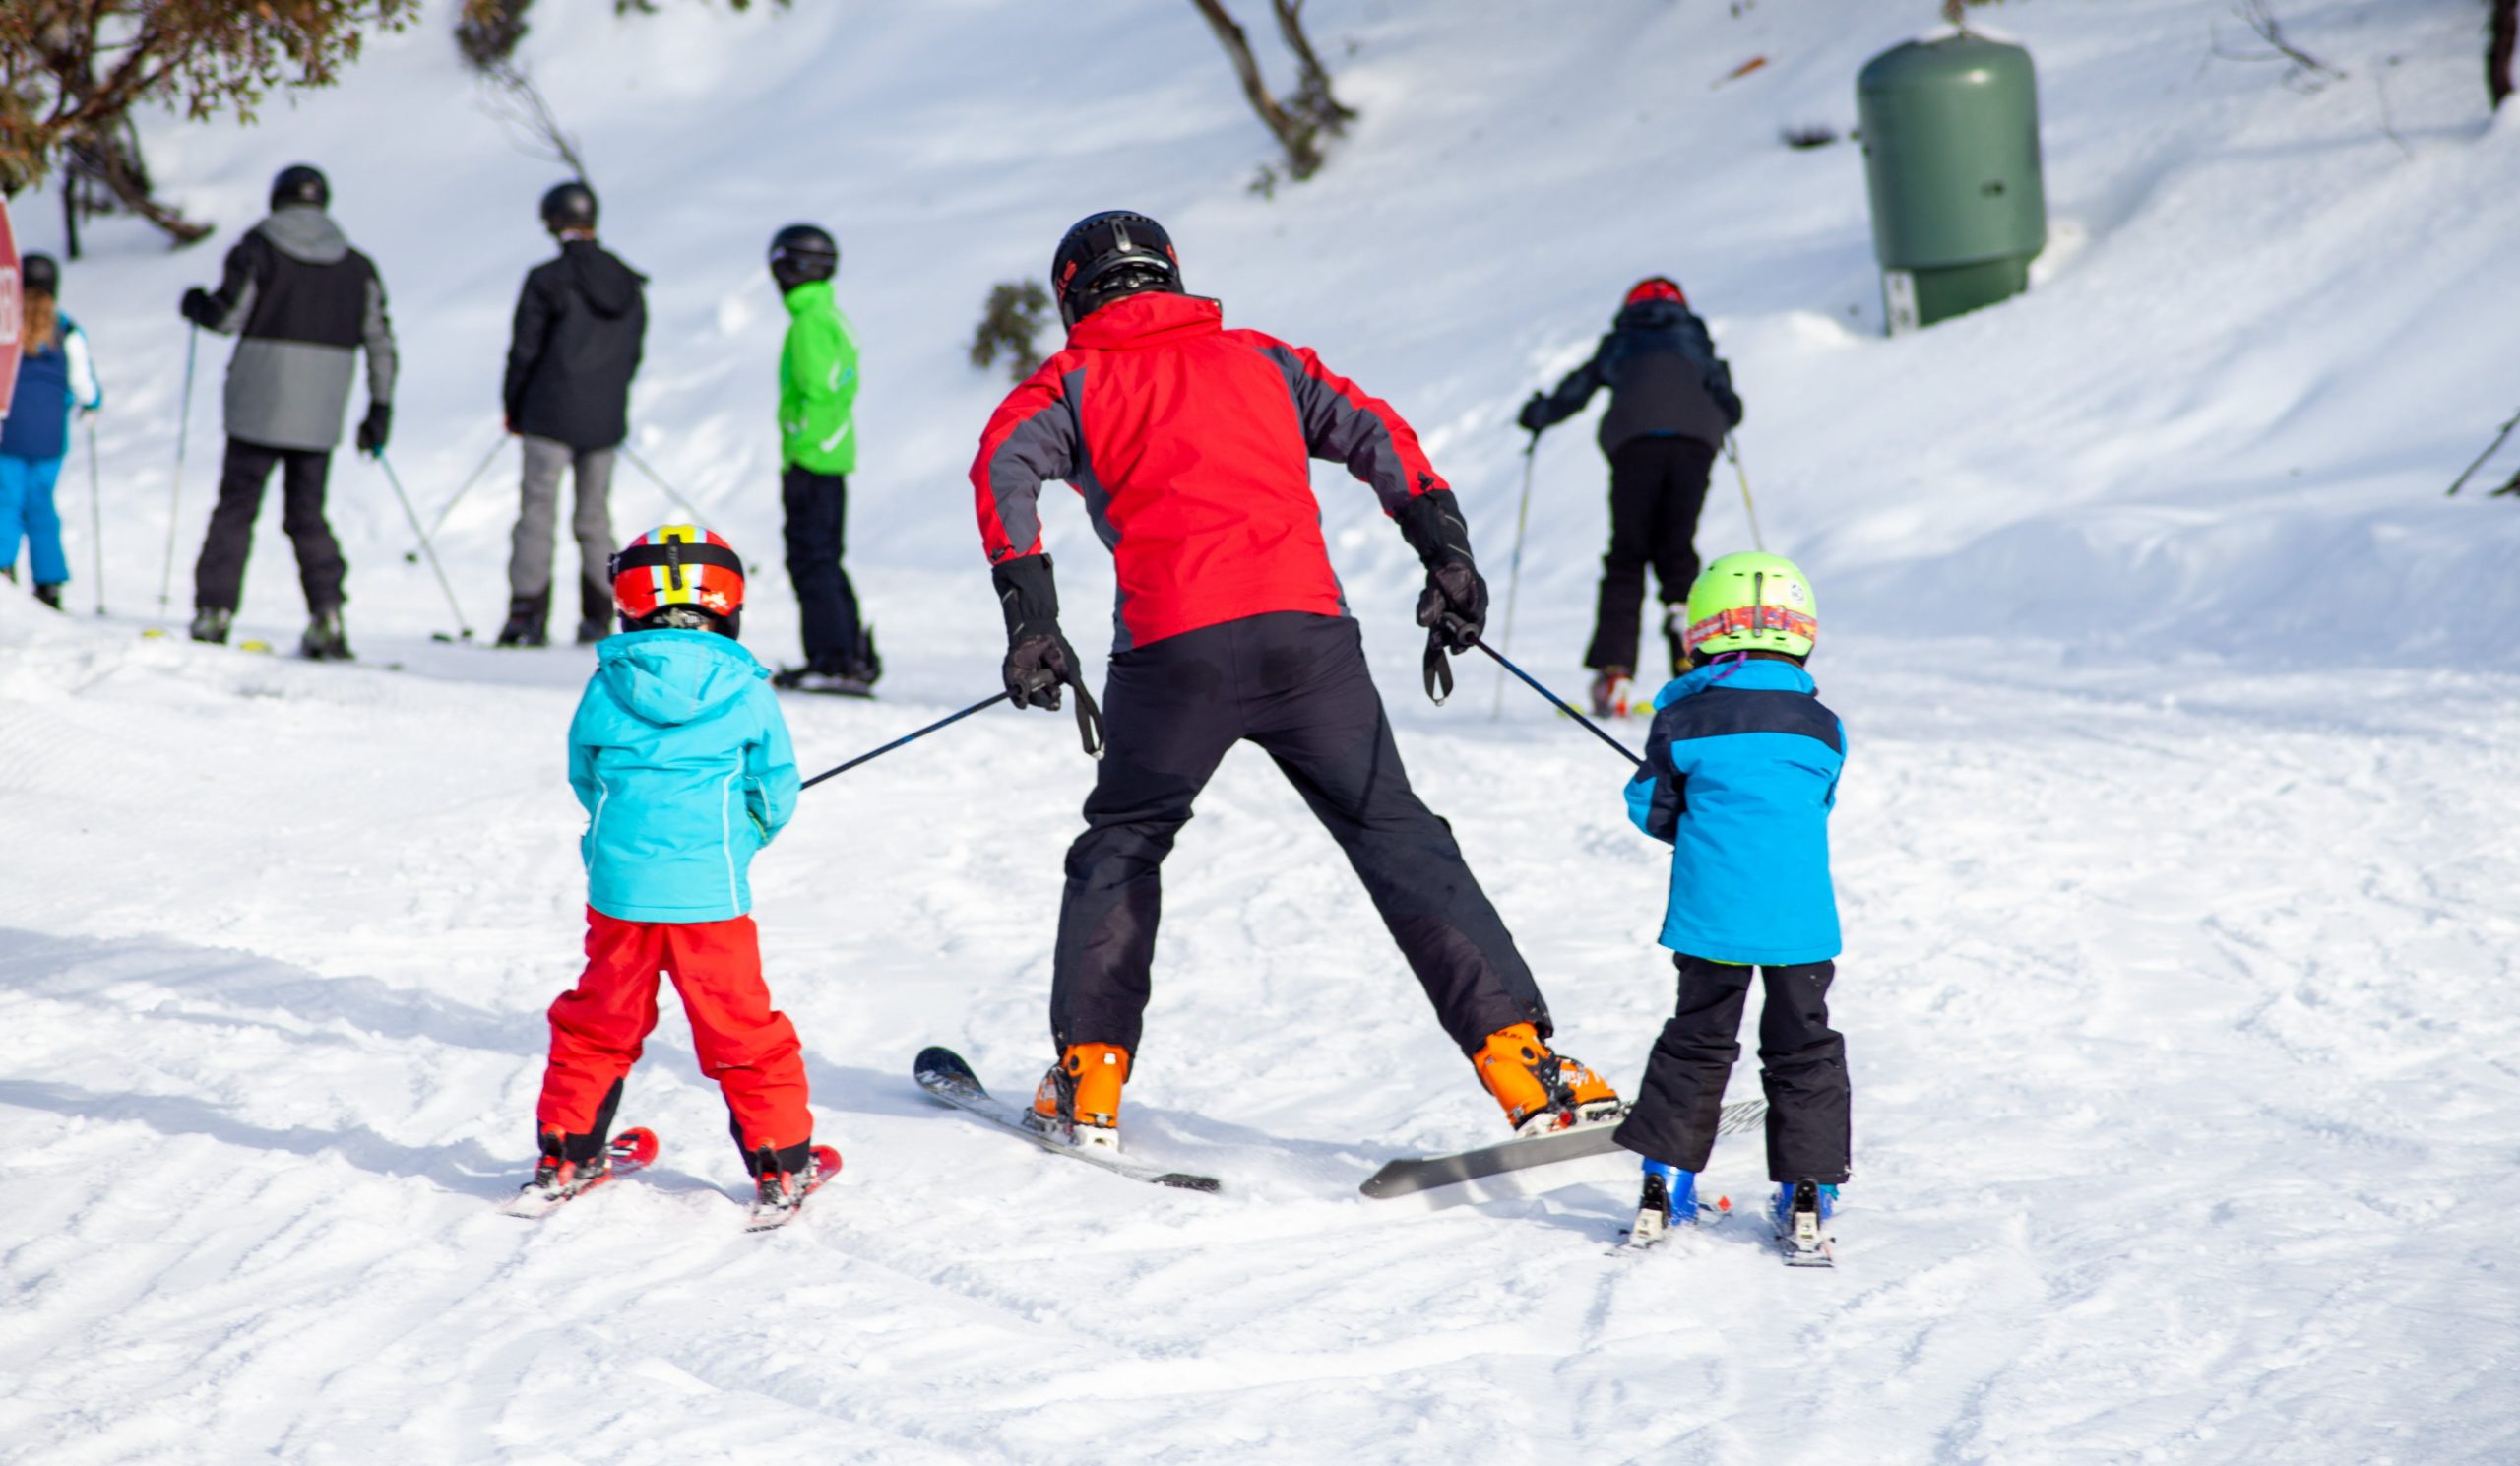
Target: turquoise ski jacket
1740,774
681,758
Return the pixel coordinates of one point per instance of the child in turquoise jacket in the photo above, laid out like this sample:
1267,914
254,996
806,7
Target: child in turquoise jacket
682,760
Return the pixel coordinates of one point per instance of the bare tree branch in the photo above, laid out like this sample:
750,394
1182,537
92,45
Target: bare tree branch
517,103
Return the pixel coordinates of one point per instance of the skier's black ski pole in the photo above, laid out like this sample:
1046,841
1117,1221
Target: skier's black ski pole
659,480
1564,705
905,740
175,495
1514,569
1732,451
96,515
407,513
413,557
2490,449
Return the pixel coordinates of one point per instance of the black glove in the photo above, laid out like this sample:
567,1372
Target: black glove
375,428
1535,416
1454,605
200,309
1038,660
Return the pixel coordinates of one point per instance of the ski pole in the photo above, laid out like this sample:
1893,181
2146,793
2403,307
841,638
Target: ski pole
658,479
1732,451
904,741
1562,704
1514,568
2490,449
175,495
405,499
413,557
96,515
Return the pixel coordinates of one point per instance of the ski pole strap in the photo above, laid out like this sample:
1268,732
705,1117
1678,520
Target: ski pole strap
1088,717
1439,670
905,740
1562,704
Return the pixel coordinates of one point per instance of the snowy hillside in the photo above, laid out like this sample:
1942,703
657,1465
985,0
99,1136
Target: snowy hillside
2174,850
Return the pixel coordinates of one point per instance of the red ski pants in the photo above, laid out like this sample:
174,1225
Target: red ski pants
750,1049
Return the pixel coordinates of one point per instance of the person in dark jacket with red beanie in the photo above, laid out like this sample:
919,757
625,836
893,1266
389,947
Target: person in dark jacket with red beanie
1671,404
1191,445
580,323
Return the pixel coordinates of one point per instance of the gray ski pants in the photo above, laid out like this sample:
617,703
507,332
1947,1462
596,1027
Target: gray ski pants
530,568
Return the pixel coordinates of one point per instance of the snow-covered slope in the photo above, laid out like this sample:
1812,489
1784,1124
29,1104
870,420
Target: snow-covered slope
2175,847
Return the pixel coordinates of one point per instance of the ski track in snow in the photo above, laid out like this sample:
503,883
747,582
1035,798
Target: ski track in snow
2177,981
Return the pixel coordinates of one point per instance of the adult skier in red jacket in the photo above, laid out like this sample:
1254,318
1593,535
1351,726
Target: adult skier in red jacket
1190,445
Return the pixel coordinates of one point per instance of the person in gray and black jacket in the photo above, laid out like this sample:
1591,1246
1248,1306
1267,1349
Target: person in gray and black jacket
1671,404
580,323
304,303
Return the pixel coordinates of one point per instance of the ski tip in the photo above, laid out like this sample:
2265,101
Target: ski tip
1183,1180
936,1062
638,1146
825,1160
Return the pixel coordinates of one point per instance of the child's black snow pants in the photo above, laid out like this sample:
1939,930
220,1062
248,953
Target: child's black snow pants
1803,1064
1295,684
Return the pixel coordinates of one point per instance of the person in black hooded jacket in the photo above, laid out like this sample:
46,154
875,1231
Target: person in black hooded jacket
1671,404
580,325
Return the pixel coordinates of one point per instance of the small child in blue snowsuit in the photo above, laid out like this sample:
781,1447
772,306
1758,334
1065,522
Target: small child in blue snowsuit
1740,774
54,375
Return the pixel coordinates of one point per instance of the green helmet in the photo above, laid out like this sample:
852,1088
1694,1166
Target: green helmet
1752,602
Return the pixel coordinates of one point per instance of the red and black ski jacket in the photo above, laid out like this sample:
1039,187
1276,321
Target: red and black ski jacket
1190,444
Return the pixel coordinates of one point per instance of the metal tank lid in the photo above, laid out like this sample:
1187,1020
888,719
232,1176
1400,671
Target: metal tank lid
1942,59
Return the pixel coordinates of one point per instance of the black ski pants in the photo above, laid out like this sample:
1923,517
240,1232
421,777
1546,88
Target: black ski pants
1297,686
1803,1065
219,578
1658,489
817,528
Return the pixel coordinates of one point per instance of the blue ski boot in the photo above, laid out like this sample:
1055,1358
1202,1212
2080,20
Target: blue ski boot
1670,1199
1801,1212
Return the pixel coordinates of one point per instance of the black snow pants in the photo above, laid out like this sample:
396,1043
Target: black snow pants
1803,1065
1297,686
1658,487
817,528
218,577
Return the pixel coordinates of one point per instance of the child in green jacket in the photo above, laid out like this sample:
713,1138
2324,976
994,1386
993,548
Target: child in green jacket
817,450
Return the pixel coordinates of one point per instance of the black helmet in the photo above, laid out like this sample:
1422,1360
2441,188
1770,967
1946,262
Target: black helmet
570,206
802,253
40,273
300,183
1107,255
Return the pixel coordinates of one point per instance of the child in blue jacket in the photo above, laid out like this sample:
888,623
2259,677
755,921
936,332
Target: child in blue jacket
681,758
54,375
1740,774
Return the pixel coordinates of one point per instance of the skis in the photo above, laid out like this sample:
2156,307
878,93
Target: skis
631,1149
767,1216
1411,1174
252,644
943,1074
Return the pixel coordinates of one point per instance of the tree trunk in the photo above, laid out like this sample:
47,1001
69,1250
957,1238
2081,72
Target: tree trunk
1302,157
2497,59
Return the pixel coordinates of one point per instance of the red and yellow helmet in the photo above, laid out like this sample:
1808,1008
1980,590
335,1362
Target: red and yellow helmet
677,565
1655,287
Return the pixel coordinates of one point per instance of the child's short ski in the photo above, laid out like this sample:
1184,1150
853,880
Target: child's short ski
1802,1231
631,1149
1652,1226
1414,1173
254,644
942,1073
768,1215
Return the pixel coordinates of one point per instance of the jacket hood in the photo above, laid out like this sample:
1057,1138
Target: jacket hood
1148,318
1748,673
609,285
1649,315
305,233
672,677
813,293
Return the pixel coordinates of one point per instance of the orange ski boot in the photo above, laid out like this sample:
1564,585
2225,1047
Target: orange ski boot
1609,692
1079,1100
1541,1089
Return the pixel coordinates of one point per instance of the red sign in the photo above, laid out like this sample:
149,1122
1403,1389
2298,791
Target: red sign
9,315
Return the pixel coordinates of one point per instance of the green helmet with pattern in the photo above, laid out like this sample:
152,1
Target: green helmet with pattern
1752,602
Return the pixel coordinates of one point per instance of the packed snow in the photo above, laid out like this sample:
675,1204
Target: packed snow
2176,849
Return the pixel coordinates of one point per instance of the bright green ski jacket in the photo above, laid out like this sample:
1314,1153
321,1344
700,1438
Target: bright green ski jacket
817,384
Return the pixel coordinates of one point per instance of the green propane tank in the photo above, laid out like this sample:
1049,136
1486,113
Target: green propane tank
1951,154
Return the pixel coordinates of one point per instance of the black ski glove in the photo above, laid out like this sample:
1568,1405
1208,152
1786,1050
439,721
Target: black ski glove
200,309
1534,418
1039,658
1453,605
375,428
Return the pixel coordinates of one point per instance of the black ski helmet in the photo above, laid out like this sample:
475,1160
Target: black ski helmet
569,206
40,273
1107,255
301,183
801,254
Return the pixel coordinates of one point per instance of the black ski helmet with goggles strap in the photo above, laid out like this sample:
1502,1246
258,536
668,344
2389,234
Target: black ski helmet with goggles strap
1107,255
